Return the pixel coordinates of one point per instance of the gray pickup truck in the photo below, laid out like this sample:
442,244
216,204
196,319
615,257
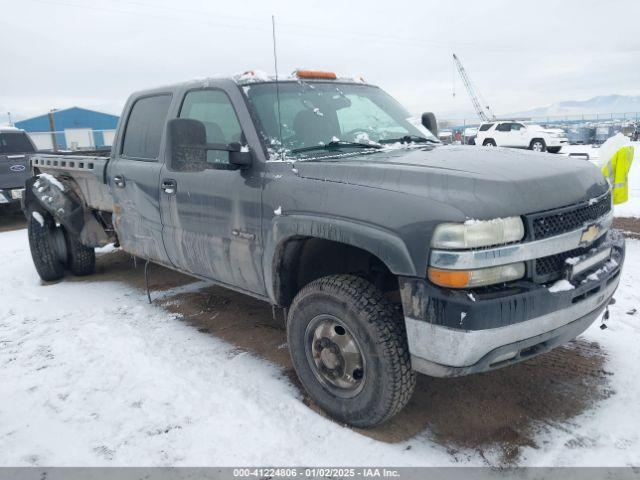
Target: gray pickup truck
390,253
15,148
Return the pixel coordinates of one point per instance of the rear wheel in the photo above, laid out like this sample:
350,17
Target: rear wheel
349,348
48,246
489,142
538,145
81,260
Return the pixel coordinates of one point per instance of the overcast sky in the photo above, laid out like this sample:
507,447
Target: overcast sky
520,54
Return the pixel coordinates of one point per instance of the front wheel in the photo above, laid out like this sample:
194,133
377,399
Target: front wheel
349,348
538,145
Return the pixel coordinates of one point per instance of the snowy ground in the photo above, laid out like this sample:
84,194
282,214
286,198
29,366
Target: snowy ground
90,374
632,207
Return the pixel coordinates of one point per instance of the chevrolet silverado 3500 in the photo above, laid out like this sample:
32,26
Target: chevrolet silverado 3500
390,253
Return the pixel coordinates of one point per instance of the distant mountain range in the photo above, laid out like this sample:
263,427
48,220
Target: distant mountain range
601,104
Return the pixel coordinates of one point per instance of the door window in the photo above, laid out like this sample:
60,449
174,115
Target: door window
146,122
504,127
214,109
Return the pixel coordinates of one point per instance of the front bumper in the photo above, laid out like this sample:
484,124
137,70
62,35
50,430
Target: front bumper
557,142
452,332
11,195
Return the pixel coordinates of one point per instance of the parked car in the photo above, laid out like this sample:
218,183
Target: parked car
519,135
389,252
15,147
581,135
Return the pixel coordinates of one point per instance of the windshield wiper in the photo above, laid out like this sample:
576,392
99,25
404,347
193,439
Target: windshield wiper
335,145
410,139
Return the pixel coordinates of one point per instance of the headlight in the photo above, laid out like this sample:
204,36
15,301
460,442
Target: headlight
476,278
478,233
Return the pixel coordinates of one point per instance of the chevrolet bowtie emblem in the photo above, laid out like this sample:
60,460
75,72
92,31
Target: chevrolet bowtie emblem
590,234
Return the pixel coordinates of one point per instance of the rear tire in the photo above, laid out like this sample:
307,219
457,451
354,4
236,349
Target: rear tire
349,348
489,142
47,246
538,145
81,260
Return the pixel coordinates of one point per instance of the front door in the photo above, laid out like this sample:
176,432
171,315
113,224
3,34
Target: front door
134,175
211,212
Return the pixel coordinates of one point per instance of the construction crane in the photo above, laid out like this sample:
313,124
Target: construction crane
485,116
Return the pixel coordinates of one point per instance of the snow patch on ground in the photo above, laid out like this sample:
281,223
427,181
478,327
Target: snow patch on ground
93,375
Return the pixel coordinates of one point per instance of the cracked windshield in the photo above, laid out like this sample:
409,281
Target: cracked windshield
330,117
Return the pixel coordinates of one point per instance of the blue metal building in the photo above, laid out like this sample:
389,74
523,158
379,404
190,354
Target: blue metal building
74,117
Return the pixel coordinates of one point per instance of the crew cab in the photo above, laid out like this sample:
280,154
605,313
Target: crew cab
518,135
15,147
390,253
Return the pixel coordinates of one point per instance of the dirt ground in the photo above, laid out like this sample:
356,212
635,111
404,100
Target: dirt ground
11,218
497,410
501,409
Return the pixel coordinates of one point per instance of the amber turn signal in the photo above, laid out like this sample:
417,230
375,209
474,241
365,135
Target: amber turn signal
449,278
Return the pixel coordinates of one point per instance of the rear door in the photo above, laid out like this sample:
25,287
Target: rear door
212,212
502,134
134,175
14,150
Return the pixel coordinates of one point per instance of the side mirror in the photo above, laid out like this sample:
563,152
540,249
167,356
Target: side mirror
430,123
188,147
240,156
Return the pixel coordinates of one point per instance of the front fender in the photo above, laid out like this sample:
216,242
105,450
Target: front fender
382,243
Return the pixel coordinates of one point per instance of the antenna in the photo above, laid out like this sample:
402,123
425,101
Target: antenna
275,64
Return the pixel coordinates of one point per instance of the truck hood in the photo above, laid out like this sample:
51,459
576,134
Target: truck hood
480,182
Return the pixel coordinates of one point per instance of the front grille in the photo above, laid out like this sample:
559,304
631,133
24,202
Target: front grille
553,266
570,218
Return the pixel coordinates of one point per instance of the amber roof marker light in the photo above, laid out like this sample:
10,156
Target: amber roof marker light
315,74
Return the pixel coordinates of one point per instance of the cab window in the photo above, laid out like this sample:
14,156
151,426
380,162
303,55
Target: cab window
504,127
214,109
145,125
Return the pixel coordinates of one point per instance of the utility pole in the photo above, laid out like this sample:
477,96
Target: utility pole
52,128
10,122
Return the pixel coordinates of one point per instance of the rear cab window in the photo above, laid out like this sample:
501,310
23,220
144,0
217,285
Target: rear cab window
486,126
145,125
15,142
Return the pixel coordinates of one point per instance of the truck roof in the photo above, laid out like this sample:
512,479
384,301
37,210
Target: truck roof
258,76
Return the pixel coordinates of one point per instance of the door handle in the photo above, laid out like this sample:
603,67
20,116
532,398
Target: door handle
118,180
169,186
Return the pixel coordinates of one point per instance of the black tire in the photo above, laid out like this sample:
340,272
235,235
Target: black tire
538,145
386,381
489,142
553,149
47,247
81,260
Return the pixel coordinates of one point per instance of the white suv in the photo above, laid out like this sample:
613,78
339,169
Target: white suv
518,135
